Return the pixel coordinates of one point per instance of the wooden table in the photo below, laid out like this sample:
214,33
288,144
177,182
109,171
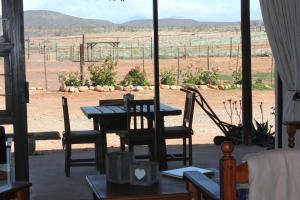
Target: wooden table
15,190
166,189
105,116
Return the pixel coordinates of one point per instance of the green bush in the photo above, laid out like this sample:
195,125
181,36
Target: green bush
201,77
190,76
237,76
70,79
168,77
104,74
210,77
135,77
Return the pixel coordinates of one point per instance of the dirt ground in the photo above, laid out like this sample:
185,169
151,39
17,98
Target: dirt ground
45,112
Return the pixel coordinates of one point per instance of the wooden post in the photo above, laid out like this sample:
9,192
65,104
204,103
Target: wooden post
207,55
81,49
28,47
151,50
45,69
230,50
272,64
100,53
228,172
199,51
143,52
246,71
160,145
83,43
13,10
56,52
237,58
131,51
178,65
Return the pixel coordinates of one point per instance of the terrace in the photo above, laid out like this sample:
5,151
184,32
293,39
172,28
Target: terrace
45,169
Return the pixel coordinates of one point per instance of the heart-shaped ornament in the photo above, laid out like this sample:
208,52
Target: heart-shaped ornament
139,173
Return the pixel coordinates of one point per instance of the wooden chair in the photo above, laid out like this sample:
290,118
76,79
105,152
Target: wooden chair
140,129
16,191
183,132
119,128
202,187
78,137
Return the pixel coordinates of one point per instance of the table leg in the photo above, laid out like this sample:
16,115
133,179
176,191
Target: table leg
103,150
163,148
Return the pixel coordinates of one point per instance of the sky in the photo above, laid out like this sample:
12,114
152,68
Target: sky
118,12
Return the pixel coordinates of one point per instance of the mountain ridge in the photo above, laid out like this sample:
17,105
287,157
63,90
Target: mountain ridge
53,19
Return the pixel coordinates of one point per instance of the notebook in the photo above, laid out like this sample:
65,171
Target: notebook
178,173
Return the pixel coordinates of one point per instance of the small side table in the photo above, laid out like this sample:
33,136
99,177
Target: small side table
292,128
166,189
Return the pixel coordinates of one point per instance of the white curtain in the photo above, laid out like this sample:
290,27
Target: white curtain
282,22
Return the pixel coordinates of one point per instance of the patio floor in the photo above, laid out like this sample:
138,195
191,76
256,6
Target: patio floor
50,182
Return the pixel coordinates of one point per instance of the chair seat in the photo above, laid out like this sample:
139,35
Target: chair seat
85,136
177,132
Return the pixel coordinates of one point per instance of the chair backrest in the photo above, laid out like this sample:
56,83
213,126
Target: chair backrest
66,115
189,109
139,116
111,102
2,146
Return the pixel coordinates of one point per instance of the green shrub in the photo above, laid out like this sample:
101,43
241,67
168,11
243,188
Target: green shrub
237,76
135,77
104,74
190,76
70,79
168,77
201,77
210,77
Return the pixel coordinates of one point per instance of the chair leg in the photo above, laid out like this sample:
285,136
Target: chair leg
122,144
190,151
184,151
130,147
151,151
68,159
97,153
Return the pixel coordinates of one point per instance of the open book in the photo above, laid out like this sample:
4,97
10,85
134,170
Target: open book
178,173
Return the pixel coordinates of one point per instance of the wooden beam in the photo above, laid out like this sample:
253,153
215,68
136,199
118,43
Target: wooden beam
13,10
279,110
160,150
246,71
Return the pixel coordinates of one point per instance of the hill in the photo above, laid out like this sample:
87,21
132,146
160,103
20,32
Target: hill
51,19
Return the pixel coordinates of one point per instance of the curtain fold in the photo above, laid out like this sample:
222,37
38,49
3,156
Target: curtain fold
282,22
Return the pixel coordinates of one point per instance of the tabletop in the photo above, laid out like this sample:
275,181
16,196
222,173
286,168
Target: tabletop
167,188
99,111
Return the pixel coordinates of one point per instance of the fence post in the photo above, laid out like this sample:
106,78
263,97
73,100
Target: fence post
151,48
230,50
199,51
45,69
237,58
131,51
272,66
56,52
208,58
178,65
143,52
81,50
28,47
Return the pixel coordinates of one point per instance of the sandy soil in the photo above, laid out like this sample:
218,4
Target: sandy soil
45,112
